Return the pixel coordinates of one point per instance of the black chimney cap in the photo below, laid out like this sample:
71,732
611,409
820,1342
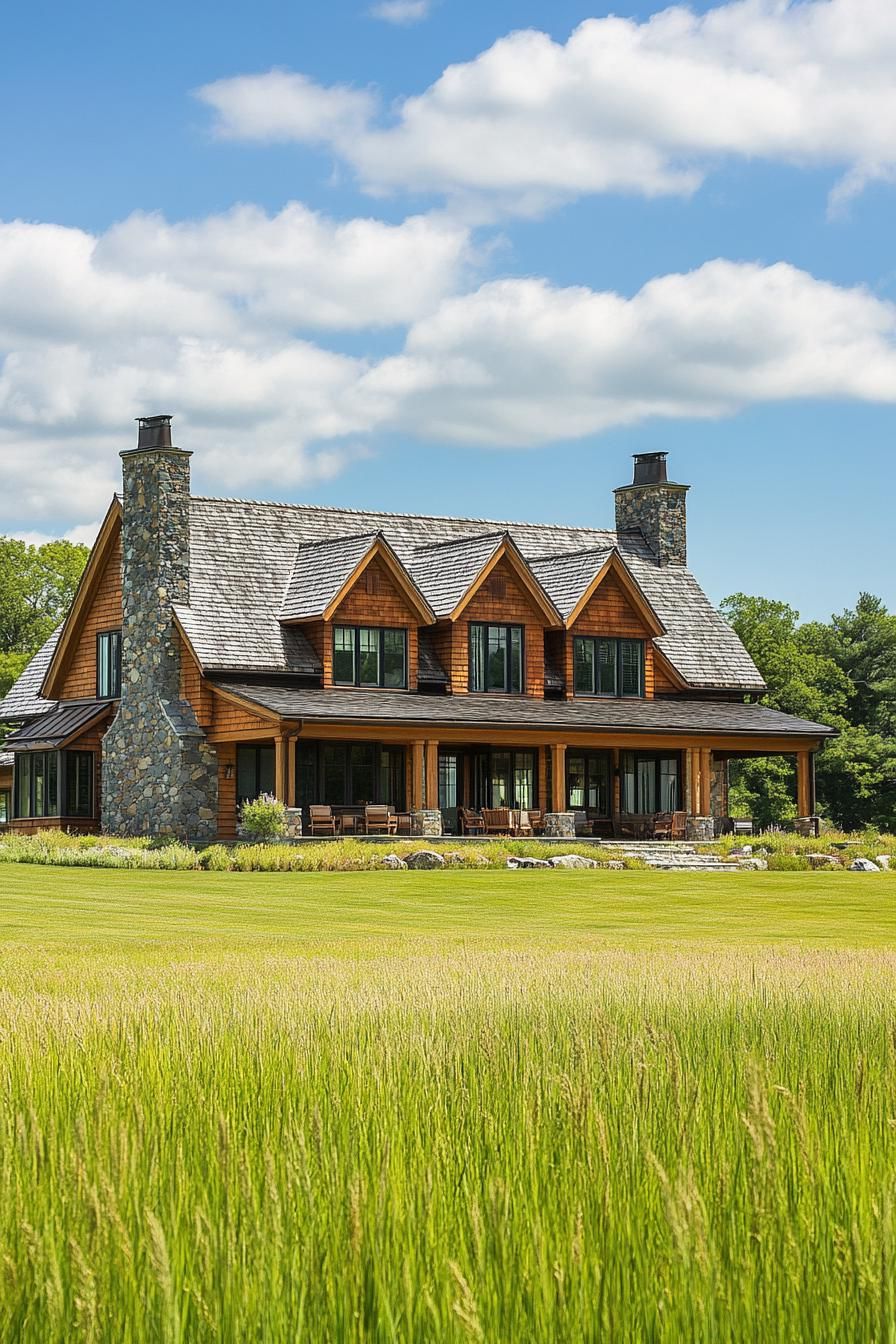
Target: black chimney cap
154,431
650,468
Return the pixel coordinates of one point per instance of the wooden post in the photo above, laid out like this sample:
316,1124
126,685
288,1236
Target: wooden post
693,767
543,779
432,775
291,773
803,784
281,759
705,782
616,783
416,776
558,782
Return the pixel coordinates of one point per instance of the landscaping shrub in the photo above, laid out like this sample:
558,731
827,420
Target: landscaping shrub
788,863
264,818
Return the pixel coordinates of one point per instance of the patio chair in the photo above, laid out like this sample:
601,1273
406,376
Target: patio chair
662,826
320,816
523,823
679,826
496,820
742,825
470,822
536,820
378,820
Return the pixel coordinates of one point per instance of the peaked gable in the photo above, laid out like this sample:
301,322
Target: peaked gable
451,574
573,580
96,606
324,573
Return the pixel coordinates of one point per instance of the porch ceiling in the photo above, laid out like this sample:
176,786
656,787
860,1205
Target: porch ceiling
498,711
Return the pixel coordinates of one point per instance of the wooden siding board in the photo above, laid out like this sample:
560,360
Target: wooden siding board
104,613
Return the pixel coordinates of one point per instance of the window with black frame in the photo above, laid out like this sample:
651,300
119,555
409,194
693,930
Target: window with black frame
5,807
588,782
350,774
609,667
370,656
108,665
496,658
651,781
504,779
255,772
53,784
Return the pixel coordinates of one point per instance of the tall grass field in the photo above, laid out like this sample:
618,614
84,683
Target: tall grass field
446,1106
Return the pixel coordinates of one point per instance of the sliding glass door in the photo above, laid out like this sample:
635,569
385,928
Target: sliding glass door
651,781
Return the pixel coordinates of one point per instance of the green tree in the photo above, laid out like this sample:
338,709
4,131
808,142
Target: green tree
842,673
37,584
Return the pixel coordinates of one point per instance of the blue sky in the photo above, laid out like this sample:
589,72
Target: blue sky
504,353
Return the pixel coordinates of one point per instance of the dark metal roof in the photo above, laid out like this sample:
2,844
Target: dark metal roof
23,699
429,669
59,726
504,711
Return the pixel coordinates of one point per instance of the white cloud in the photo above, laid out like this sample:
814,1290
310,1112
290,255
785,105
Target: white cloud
520,363
401,12
84,534
621,106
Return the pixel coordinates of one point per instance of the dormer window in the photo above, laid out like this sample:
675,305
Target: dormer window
496,658
108,665
370,656
608,666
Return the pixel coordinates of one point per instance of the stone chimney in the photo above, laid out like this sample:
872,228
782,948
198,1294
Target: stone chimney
656,507
159,772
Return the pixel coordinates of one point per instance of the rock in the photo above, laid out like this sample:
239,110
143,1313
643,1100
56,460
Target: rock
823,861
477,860
746,850
883,861
424,858
753,865
616,865
571,861
514,862
393,861
863,866
454,858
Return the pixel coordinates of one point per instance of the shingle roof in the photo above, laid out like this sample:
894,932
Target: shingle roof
565,577
23,700
445,570
61,724
676,713
320,570
6,760
429,669
243,556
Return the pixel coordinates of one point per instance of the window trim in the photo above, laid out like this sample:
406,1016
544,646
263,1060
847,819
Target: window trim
5,806
101,635
618,641
656,757
382,631
312,749
508,627
63,756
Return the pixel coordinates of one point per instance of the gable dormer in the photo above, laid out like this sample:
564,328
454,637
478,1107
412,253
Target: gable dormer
361,611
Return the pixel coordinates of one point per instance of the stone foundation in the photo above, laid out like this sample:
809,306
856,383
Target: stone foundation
426,822
560,825
701,828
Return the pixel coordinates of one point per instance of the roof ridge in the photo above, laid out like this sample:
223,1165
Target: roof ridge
573,555
461,541
341,536
502,525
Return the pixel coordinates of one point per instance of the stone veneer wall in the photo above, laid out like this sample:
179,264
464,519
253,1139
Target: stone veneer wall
160,774
660,511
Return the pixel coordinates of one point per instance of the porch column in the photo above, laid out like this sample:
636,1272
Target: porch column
804,783
432,775
692,768
705,782
291,773
416,776
542,779
558,777
616,783
281,767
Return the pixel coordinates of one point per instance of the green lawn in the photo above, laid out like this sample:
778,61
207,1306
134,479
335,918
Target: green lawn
120,908
457,1106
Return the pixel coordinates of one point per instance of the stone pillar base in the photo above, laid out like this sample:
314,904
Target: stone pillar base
293,823
701,828
806,826
560,825
426,822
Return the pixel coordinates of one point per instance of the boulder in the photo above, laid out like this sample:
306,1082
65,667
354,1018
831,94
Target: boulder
863,866
822,861
571,861
753,865
393,861
514,862
424,858
616,865
883,861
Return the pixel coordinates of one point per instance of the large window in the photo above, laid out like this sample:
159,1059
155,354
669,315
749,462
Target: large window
496,658
349,774
651,782
588,784
504,779
53,784
370,656
5,806
608,666
255,770
108,665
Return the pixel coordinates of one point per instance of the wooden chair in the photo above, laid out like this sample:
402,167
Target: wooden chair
496,820
679,826
321,818
662,826
378,820
470,822
536,820
523,823
742,825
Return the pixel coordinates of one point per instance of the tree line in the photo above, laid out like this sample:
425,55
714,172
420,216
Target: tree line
840,672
